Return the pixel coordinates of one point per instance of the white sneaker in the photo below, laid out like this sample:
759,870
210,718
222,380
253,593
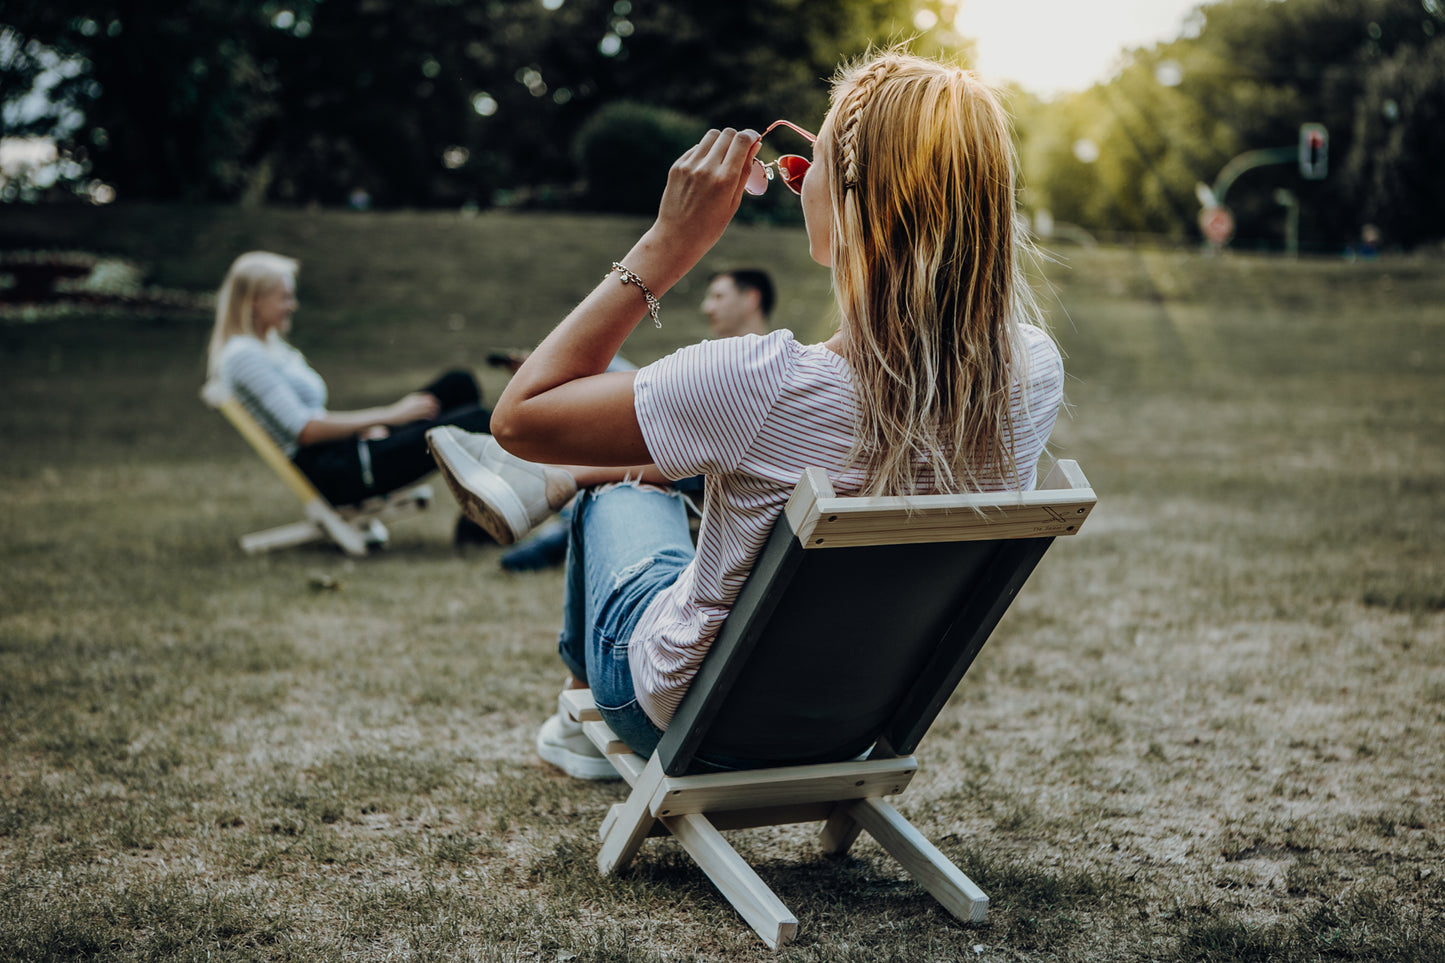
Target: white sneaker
499,491
562,742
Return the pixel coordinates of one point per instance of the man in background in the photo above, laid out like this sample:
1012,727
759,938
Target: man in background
737,302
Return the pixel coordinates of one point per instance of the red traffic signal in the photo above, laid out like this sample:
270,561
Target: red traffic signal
1314,151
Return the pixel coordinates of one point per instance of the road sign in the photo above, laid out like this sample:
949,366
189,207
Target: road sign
1217,225
1314,151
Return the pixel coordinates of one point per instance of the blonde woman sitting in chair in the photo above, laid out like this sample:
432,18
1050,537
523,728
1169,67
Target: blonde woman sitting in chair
350,456
939,379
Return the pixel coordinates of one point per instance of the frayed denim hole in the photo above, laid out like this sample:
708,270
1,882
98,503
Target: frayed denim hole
637,483
627,574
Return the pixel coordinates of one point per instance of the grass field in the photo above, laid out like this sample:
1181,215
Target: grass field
1211,728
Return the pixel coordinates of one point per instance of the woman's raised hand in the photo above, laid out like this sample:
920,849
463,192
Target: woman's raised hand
560,407
704,188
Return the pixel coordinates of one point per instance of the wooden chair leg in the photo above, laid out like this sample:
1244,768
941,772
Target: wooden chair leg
342,533
839,832
930,868
629,823
374,533
734,878
283,536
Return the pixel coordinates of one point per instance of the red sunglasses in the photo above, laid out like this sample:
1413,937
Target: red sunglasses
790,167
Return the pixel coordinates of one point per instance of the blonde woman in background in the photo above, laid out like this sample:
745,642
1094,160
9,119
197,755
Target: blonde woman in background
348,455
940,378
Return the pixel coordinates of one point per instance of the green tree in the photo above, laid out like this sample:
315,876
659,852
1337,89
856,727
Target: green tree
625,151
416,101
1398,142
1245,76
171,93
38,86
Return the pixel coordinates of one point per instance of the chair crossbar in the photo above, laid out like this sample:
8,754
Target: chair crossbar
822,520
768,787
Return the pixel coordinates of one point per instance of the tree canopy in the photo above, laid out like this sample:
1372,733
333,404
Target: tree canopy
415,102
1126,155
448,102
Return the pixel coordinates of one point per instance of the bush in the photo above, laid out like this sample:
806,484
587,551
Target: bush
624,152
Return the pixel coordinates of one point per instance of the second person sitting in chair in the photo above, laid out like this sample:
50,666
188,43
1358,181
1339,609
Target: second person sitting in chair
737,302
938,379
349,456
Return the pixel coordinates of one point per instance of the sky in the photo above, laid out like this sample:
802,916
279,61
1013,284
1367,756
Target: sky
1052,46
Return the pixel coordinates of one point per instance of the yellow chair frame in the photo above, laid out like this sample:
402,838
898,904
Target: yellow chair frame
355,529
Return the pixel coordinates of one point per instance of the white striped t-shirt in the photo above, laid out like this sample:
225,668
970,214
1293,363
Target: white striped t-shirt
275,384
751,413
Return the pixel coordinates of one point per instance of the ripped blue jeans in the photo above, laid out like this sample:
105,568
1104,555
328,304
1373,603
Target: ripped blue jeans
627,543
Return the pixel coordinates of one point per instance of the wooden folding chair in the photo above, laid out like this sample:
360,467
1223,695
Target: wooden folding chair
858,621
354,528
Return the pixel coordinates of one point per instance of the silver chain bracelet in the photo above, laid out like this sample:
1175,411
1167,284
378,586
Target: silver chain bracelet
628,276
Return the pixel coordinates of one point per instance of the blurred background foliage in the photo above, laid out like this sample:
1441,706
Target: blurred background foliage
1125,156
626,148
582,104
414,102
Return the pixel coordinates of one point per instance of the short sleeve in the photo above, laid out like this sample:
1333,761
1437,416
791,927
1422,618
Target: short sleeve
1034,405
701,407
256,380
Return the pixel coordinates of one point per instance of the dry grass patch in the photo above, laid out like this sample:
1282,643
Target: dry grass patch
1209,730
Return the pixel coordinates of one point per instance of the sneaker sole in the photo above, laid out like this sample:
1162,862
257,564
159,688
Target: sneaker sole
578,767
492,505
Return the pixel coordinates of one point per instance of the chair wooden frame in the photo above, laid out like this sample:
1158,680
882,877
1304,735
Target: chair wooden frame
354,529
675,793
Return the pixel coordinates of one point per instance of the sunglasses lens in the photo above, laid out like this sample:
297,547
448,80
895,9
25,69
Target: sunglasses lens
757,179
793,168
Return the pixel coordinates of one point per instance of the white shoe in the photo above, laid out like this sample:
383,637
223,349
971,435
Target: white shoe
499,491
562,742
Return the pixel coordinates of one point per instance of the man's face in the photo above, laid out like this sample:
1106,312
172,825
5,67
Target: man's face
728,309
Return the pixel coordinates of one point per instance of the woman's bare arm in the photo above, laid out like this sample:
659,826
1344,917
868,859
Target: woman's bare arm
562,406
370,422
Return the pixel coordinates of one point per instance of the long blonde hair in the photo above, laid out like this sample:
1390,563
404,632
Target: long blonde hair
925,252
251,275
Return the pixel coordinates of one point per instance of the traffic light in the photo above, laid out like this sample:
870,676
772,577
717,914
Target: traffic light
1314,151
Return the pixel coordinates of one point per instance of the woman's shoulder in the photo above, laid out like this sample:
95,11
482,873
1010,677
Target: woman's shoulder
779,341
747,370
1035,336
245,356
743,351
1040,348
1040,370
242,344
276,350
241,349
780,358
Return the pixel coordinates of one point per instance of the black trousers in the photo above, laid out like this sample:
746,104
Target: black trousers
351,470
